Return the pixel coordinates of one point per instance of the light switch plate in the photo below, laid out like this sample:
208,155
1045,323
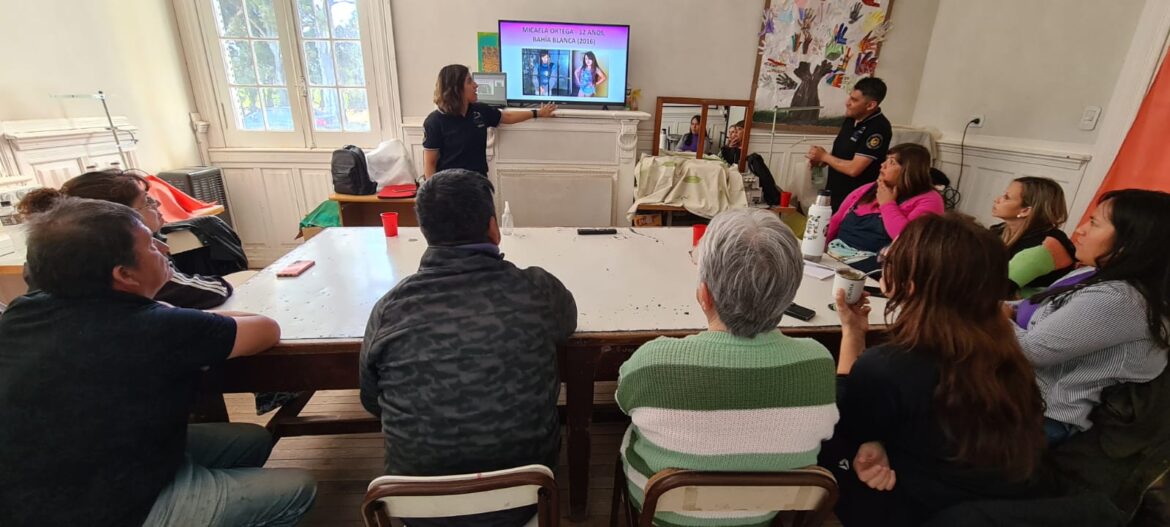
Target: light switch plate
1089,117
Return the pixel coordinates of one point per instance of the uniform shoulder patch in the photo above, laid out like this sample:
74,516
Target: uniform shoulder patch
874,141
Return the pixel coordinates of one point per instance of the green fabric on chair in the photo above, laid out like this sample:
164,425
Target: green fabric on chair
327,214
1028,265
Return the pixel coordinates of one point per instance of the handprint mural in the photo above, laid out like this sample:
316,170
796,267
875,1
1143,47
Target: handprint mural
811,53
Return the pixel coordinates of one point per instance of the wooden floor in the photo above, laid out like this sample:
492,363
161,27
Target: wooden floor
344,464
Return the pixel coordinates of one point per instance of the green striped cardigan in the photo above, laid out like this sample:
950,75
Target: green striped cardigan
717,402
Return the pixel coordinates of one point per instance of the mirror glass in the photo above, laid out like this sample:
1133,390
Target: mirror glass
679,121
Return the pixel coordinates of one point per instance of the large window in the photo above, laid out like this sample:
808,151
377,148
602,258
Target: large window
291,72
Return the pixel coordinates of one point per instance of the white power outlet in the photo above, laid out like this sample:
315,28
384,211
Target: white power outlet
977,120
1089,117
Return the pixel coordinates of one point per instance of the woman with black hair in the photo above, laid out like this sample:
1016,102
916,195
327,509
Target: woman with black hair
689,142
1105,323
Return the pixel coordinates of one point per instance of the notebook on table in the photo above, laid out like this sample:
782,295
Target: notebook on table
397,191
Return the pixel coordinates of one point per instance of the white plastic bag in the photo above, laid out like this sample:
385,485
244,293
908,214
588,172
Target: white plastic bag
390,165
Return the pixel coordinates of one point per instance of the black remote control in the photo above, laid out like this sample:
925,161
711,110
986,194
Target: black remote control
800,312
587,231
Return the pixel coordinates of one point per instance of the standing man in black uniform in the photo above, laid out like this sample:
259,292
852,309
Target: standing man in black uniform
861,145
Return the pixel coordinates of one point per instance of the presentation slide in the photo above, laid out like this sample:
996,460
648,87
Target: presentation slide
561,62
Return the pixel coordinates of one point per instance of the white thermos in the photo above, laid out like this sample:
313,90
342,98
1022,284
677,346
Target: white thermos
817,226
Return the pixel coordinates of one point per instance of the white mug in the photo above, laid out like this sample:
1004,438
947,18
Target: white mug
852,281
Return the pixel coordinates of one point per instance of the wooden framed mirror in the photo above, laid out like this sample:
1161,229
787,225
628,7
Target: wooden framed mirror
717,128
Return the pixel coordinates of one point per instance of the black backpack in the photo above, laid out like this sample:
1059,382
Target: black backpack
756,165
350,175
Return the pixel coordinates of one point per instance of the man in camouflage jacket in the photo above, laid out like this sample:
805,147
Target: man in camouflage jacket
459,359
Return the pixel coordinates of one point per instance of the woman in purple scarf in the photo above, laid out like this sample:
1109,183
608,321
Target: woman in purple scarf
1105,323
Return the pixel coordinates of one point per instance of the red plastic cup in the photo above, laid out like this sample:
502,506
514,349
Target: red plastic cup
390,223
785,199
697,232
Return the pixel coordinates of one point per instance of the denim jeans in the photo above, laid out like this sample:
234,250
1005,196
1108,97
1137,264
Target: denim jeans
221,483
1057,432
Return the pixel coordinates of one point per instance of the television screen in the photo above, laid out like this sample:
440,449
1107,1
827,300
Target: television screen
568,63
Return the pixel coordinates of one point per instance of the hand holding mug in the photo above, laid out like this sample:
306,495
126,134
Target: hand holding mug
853,316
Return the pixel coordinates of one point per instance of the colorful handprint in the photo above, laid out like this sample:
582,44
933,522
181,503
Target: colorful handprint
855,13
866,63
837,46
868,43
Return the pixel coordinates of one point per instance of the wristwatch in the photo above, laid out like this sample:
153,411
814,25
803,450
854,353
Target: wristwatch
535,114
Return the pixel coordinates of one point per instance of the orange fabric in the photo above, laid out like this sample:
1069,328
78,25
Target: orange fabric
174,204
1143,160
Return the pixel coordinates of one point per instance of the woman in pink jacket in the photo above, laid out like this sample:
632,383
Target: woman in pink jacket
873,215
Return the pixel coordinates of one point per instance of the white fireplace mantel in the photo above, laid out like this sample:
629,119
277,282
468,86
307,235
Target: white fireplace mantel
47,152
574,170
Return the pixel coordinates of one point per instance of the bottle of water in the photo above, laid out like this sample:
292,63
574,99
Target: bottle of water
817,227
8,216
506,223
8,227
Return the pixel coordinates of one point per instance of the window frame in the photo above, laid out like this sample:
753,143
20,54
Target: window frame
208,74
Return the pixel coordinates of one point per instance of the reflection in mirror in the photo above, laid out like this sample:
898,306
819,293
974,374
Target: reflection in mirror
680,122
730,149
680,128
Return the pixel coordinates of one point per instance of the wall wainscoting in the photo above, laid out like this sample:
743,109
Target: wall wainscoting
988,169
271,190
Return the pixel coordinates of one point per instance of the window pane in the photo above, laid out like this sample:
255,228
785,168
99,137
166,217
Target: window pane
356,109
261,18
240,66
268,65
345,18
276,109
247,107
350,69
229,17
326,116
314,20
319,62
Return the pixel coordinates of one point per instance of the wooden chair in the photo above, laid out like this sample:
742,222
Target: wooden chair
811,492
444,496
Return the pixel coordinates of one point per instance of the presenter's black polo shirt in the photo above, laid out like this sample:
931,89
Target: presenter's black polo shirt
461,139
869,138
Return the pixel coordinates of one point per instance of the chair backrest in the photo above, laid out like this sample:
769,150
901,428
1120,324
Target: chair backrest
812,490
457,495
183,240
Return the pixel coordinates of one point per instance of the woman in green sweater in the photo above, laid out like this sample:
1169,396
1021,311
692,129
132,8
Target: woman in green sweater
740,396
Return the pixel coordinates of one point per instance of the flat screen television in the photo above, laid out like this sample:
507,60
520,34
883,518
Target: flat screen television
565,63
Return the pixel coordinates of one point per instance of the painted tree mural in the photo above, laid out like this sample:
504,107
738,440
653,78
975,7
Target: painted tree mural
811,54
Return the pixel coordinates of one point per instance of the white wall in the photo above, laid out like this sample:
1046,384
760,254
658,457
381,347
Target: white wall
128,48
1030,67
904,56
685,48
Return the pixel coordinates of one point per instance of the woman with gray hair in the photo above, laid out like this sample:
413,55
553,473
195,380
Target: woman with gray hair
740,396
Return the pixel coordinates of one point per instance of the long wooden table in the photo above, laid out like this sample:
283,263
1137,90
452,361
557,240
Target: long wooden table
630,288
